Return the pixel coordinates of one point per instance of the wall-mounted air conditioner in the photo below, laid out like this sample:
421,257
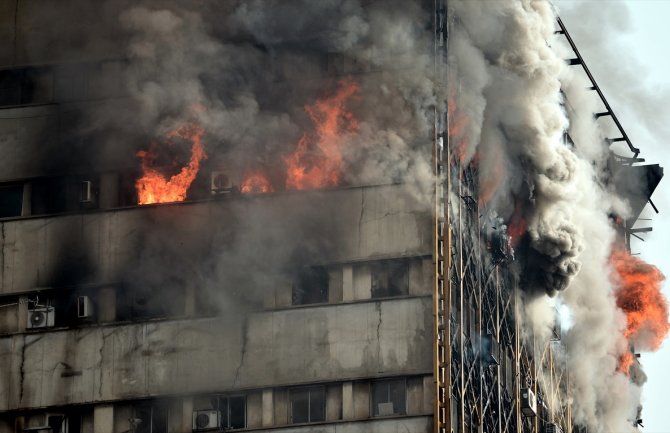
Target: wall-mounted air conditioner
206,420
528,402
220,183
86,195
84,307
41,317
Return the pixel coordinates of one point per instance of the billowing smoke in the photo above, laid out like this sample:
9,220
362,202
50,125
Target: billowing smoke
512,84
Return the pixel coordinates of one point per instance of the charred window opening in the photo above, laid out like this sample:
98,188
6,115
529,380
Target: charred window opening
390,278
150,417
11,200
64,194
144,302
307,404
389,397
310,286
26,86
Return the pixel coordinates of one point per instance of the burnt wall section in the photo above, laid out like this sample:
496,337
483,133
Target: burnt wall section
235,243
367,339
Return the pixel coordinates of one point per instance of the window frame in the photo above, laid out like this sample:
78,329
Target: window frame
374,409
309,390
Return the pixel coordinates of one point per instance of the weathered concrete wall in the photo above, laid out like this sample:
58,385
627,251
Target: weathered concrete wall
423,424
329,343
257,232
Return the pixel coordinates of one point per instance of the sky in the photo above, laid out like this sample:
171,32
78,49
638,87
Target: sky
626,46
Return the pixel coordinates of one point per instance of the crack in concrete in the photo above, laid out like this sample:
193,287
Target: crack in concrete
245,329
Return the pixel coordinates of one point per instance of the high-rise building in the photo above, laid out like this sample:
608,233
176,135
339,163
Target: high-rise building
261,216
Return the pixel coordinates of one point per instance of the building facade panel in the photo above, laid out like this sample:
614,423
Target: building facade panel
316,344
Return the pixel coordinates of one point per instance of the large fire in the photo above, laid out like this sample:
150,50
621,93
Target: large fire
154,187
639,296
317,159
256,182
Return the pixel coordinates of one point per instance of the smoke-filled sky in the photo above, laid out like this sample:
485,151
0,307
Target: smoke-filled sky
624,43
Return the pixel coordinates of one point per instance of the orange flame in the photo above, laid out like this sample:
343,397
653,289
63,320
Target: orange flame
639,296
308,167
625,362
516,227
256,182
154,187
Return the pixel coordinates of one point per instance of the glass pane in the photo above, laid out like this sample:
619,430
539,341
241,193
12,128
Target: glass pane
299,405
398,398
238,411
159,419
11,199
380,395
317,404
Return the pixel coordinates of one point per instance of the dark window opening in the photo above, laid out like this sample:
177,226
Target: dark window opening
64,194
11,200
307,404
150,418
310,286
233,411
389,397
26,86
149,302
390,278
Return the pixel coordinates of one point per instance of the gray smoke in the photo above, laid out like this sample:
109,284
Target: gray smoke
517,116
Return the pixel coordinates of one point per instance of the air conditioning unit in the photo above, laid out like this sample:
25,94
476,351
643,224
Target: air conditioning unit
206,420
41,317
528,402
220,183
385,409
84,307
86,192
552,428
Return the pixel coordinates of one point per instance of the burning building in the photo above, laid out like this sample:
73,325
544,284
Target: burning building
315,216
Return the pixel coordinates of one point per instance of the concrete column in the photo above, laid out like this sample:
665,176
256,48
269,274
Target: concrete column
186,414
284,292
27,201
255,410
347,400
334,402
109,190
268,408
361,400
106,305
22,314
428,393
362,282
103,418
348,283
281,407
414,396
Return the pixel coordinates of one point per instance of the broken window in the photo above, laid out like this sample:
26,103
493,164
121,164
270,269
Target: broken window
390,278
307,404
389,397
310,286
11,200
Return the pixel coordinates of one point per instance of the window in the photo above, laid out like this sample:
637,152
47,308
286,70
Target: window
11,200
26,86
307,404
389,397
233,411
310,286
150,418
390,278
